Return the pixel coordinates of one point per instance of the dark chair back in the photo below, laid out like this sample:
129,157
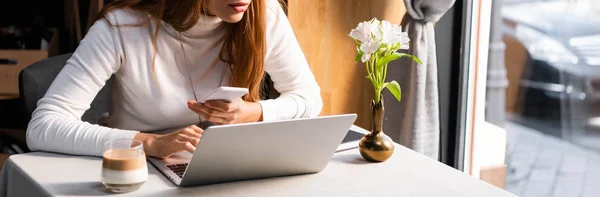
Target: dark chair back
35,80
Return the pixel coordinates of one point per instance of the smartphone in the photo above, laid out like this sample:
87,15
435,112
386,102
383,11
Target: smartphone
226,94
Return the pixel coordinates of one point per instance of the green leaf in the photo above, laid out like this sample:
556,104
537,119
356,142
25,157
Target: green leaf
416,59
394,88
394,56
358,57
388,58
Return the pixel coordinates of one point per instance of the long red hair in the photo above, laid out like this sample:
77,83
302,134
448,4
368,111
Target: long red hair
244,47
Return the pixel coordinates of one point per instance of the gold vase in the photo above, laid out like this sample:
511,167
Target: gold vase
376,146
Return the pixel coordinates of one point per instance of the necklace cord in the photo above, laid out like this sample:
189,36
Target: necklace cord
187,67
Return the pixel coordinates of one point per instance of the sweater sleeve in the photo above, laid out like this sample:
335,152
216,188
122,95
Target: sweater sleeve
56,124
300,95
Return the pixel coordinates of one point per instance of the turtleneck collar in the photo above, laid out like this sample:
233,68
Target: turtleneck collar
206,25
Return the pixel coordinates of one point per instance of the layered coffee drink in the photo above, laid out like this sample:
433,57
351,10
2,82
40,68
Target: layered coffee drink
124,167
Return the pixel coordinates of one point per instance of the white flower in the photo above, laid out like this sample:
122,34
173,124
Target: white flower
398,29
392,34
389,35
376,29
404,40
362,32
404,46
365,57
371,35
369,48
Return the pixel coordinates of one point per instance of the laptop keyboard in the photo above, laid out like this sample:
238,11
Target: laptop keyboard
178,169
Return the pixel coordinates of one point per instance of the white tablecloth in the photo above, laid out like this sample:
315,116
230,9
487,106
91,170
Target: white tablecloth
406,173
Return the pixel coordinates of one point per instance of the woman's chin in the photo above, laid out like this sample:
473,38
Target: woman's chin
233,18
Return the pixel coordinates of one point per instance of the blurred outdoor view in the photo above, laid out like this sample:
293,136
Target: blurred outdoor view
552,60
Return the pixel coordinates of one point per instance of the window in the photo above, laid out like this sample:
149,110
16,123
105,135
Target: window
552,98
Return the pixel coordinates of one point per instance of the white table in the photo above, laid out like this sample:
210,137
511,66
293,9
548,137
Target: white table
406,173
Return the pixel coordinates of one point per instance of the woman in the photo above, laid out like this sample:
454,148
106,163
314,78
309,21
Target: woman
164,54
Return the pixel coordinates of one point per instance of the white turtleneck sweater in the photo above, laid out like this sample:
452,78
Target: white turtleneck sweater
143,103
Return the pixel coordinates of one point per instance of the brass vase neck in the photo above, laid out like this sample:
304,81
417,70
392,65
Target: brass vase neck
377,113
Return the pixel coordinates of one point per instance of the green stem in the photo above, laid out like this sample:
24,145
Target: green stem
379,78
377,96
389,52
374,72
385,67
379,81
368,72
376,66
374,77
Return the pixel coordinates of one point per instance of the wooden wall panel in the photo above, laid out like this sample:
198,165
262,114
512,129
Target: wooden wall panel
321,27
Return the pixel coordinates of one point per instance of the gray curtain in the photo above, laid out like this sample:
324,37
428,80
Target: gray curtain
415,121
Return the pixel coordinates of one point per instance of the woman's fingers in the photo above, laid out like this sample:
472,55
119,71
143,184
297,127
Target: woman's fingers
222,106
193,131
200,113
187,138
207,111
217,112
213,117
217,120
187,146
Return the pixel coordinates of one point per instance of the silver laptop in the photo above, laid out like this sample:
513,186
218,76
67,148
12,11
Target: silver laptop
258,150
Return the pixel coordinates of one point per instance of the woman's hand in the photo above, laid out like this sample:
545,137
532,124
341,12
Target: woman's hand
220,112
163,146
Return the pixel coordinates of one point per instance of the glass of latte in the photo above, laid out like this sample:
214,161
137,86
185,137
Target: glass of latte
124,167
